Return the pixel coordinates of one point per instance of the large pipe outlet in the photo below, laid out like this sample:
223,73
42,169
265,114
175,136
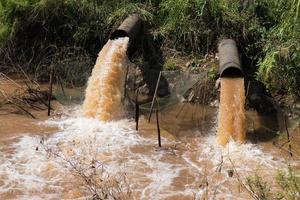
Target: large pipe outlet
131,27
230,65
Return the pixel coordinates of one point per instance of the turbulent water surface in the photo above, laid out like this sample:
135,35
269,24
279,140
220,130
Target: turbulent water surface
190,165
92,151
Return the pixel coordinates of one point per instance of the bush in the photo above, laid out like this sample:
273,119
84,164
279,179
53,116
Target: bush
40,29
197,25
286,186
267,32
280,68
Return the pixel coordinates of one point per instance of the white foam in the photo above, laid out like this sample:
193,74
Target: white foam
23,170
161,176
151,173
244,157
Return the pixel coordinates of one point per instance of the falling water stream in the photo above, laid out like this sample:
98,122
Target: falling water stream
105,88
93,138
232,115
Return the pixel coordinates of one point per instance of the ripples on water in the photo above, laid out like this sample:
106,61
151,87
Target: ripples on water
27,172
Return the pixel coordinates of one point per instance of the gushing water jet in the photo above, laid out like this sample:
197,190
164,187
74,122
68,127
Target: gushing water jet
232,118
105,90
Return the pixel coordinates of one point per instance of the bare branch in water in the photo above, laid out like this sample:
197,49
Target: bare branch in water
96,179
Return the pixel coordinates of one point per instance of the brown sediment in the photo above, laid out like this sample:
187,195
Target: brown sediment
232,118
104,93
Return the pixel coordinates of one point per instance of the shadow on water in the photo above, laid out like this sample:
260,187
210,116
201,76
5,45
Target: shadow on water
188,120
262,114
261,127
153,61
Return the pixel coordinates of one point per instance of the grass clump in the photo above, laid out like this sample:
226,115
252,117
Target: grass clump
289,184
286,186
170,65
258,187
197,25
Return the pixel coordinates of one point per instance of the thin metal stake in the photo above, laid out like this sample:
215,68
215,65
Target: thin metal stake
158,129
137,110
288,136
154,97
248,86
50,90
125,84
61,85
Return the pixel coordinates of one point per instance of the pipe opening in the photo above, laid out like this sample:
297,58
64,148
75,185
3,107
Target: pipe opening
232,72
118,34
230,65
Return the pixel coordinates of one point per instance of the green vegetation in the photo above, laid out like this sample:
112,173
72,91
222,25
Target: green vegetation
280,68
170,65
34,32
286,186
66,34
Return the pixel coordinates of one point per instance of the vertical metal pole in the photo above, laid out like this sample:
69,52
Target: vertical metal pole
61,85
154,97
158,129
288,136
125,84
137,110
50,90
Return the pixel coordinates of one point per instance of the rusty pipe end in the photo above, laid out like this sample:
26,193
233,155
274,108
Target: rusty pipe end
131,27
118,34
229,64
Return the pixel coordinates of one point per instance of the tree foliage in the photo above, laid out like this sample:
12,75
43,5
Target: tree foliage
267,32
280,67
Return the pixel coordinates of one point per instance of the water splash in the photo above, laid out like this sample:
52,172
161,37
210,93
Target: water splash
215,162
104,93
30,174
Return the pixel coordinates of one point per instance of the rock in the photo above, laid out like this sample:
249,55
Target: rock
230,172
217,56
188,64
144,89
214,103
218,84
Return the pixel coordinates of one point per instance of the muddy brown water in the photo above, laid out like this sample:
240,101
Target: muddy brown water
189,165
105,89
73,154
14,122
